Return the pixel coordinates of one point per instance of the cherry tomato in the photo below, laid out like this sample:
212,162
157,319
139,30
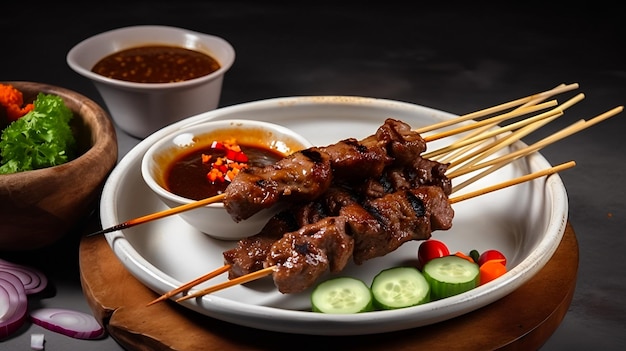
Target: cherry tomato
491,255
430,249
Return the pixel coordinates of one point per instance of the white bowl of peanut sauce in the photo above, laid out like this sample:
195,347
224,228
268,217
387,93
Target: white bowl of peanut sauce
151,76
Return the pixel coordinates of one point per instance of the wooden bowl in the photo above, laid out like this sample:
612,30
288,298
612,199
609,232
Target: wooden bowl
39,207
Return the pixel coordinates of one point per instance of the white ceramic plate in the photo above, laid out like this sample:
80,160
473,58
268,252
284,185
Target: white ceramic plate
526,222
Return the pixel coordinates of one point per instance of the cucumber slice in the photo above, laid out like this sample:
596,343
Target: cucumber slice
450,275
400,287
341,295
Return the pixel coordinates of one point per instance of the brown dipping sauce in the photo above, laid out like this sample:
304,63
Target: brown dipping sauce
187,175
156,64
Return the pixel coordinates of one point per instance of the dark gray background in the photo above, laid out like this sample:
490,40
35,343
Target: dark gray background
453,58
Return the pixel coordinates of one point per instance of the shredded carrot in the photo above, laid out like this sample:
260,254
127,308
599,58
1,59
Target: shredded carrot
13,101
491,270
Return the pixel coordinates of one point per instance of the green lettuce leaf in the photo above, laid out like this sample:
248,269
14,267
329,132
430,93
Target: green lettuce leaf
41,138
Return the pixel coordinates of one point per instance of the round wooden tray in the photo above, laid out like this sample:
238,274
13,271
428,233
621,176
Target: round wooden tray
522,320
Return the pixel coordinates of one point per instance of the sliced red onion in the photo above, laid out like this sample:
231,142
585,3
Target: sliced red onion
13,304
33,280
72,323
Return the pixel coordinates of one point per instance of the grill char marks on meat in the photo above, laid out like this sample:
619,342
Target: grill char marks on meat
302,176
402,216
305,175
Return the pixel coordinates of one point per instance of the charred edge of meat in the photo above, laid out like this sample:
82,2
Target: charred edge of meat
289,219
313,154
416,203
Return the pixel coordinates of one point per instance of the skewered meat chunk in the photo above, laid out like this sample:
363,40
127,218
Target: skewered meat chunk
251,252
353,161
402,143
301,257
302,176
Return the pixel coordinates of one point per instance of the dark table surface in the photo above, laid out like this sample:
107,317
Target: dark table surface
457,59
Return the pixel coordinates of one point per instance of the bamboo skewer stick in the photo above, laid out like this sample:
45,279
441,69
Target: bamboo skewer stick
498,145
539,98
496,119
502,162
485,112
515,181
160,214
482,153
574,128
509,157
191,284
489,134
269,270
239,280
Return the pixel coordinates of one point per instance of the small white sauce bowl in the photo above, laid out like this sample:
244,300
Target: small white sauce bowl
213,219
143,108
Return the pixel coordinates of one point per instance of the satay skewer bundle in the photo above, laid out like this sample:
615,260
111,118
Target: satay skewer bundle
484,135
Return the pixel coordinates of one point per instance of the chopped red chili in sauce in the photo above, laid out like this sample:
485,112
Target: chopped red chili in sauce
156,64
207,171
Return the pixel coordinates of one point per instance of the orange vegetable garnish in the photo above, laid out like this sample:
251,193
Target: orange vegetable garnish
462,255
225,168
12,100
491,270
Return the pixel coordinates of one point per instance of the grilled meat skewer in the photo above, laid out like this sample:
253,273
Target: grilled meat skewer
305,175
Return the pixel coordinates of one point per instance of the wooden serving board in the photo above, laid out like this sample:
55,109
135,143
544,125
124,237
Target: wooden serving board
522,320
